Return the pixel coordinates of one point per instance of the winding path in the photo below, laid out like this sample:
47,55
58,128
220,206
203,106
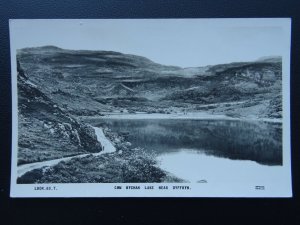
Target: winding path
107,148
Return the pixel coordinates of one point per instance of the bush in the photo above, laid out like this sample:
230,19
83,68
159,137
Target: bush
30,177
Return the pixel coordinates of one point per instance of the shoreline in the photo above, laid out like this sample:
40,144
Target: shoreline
188,116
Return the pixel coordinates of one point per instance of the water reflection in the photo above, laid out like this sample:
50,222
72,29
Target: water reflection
196,167
236,140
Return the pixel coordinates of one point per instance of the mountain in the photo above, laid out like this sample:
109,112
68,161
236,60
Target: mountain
86,83
272,59
236,81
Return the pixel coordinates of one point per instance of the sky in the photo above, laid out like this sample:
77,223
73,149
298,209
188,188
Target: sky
178,42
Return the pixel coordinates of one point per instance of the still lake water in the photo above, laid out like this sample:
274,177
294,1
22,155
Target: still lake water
196,150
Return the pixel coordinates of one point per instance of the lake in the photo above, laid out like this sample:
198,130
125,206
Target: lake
197,150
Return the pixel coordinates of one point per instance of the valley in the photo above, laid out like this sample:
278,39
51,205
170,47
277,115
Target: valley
63,93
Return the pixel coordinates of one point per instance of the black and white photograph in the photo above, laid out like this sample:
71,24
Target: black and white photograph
150,108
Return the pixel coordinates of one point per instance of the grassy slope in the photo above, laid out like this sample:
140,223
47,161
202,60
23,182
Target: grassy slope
127,165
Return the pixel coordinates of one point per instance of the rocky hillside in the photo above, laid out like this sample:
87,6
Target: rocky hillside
45,130
92,82
232,82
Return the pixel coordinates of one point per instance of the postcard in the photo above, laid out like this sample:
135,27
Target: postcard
150,107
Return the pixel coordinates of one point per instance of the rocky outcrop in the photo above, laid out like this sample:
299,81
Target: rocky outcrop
274,109
45,130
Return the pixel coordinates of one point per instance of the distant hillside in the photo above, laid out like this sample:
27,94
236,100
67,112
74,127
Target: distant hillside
236,81
89,83
271,59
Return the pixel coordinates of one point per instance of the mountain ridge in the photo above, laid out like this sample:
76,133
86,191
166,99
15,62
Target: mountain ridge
81,77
